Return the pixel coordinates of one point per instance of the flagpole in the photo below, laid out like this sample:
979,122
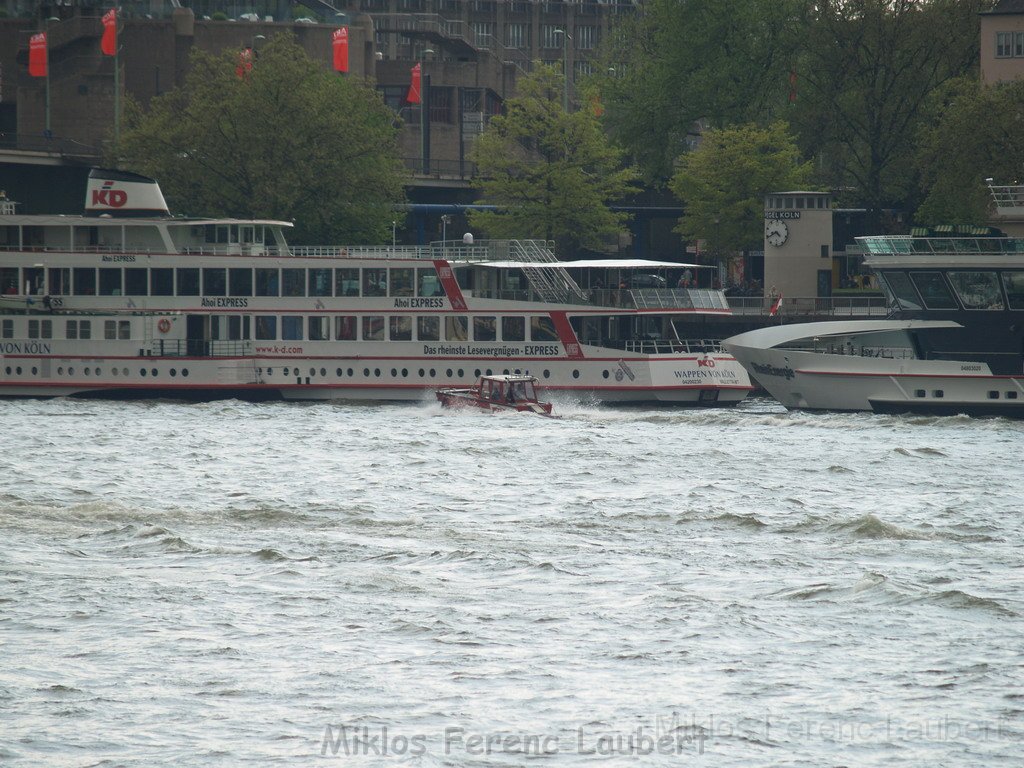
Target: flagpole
117,80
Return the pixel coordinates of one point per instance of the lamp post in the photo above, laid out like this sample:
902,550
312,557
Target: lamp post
48,133
424,109
566,37
394,235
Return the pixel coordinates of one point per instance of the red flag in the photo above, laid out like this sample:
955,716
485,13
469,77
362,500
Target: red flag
339,39
244,63
776,307
109,42
413,96
37,55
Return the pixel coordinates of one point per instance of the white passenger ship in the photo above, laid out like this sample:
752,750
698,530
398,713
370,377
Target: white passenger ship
954,343
130,301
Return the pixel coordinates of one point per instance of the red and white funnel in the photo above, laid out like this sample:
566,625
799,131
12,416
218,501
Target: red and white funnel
119,193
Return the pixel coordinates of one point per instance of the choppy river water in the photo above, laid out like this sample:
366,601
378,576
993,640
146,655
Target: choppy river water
282,584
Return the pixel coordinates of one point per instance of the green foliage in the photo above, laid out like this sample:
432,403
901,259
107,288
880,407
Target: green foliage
551,174
723,183
679,61
218,16
977,135
865,74
289,140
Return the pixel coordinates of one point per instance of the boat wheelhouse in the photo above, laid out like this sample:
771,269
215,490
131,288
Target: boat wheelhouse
497,393
954,342
147,304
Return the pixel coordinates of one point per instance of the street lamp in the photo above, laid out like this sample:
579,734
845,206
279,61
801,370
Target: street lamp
424,108
394,225
566,37
445,220
48,133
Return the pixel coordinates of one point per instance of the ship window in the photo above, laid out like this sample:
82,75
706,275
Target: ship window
7,329
266,327
188,281
977,290
401,282
293,281
1011,395
319,282
110,281
373,328
933,290
346,282
40,329
456,328
1013,283
319,328
161,282
124,329
268,282
85,281
542,328
291,328
240,282
901,288
993,394
135,282
214,281
484,329
60,281
345,328
238,327
375,281
428,328
9,280
938,393
427,282
109,330
401,328
513,329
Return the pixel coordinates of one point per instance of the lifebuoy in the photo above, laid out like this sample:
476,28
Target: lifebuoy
164,325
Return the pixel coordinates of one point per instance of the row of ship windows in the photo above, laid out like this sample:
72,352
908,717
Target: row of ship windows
220,281
288,372
993,394
319,328
975,289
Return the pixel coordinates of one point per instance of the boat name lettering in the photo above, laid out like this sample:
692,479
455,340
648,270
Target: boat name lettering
221,301
536,350
782,215
974,367
433,302
771,370
721,375
118,257
26,348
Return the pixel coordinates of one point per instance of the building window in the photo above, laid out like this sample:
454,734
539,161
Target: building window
1004,45
517,35
549,38
1018,44
483,33
586,37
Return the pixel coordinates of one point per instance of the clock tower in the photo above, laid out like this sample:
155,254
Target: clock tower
798,244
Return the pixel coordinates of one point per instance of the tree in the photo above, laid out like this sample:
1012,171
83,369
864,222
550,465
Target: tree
867,69
976,135
683,61
723,183
550,174
283,139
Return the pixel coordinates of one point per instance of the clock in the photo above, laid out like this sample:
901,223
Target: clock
776,232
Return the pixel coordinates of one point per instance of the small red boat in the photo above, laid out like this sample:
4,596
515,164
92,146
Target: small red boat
504,392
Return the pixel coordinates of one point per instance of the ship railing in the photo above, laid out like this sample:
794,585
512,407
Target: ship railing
678,298
199,348
838,306
849,349
905,244
673,346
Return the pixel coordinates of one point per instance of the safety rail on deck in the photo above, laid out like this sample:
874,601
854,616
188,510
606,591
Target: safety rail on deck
201,348
673,346
855,350
836,306
937,245
678,298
